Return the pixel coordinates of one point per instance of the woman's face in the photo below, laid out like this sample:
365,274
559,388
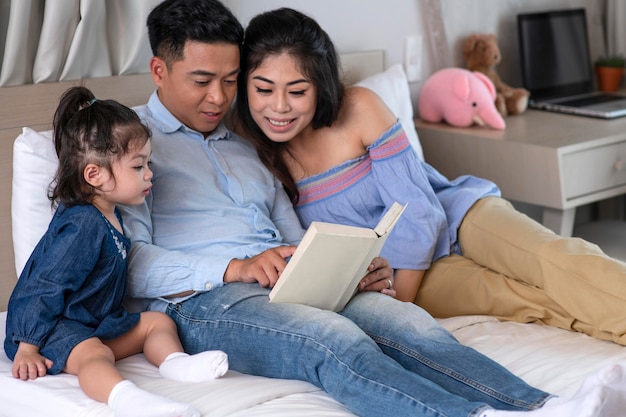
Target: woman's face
282,100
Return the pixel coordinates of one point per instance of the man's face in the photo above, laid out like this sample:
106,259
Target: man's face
199,89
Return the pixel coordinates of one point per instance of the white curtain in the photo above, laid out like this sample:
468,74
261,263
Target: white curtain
616,27
52,40
434,26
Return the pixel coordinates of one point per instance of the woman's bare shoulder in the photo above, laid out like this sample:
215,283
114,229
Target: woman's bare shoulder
366,112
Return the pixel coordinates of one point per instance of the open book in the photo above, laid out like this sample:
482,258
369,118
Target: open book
330,261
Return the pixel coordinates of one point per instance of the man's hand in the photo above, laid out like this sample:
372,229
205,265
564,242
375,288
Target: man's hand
265,268
29,363
380,278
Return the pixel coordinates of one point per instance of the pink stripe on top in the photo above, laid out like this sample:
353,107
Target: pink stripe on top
341,177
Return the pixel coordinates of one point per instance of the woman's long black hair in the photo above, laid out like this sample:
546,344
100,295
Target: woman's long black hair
289,31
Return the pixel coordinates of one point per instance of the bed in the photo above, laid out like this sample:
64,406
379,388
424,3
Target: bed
552,359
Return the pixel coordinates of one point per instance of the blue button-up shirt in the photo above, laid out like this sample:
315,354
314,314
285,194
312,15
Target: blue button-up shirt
212,201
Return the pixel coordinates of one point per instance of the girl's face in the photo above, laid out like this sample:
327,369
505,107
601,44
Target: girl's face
131,179
281,99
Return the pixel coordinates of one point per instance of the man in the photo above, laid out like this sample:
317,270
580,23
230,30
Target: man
213,236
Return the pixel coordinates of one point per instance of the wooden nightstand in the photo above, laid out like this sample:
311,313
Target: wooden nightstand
555,161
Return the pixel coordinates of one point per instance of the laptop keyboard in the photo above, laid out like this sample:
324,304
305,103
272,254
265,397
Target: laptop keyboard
587,101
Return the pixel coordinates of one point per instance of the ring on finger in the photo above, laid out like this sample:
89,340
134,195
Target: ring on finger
389,284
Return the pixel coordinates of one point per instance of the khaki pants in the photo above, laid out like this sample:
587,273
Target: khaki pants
514,268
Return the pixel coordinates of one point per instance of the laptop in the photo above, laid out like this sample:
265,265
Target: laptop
557,68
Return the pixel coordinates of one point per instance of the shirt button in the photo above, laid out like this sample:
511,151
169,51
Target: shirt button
208,286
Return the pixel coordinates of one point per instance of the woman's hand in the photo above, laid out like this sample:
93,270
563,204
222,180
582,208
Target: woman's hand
379,278
264,268
29,363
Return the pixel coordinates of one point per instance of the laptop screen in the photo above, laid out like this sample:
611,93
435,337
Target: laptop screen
554,53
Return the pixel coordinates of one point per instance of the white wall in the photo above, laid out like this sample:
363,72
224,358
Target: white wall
354,25
463,17
357,25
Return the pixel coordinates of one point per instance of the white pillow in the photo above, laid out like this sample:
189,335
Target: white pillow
34,166
393,87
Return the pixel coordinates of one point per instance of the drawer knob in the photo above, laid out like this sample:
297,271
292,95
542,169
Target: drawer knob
619,165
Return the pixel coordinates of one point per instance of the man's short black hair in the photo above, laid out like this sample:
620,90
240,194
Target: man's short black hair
174,22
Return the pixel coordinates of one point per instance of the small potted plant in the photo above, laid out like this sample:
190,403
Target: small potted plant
610,70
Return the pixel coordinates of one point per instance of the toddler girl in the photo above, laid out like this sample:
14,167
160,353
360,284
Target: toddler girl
65,313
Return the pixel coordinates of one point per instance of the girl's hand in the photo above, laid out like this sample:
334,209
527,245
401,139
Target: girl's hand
29,363
380,278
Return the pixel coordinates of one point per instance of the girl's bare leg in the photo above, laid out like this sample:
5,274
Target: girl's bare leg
156,335
94,364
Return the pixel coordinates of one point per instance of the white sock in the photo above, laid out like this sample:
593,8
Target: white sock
613,377
128,400
589,405
202,366
602,394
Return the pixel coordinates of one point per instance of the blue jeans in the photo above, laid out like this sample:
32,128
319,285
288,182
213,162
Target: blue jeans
379,356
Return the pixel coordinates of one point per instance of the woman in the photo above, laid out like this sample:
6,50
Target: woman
307,130
343,157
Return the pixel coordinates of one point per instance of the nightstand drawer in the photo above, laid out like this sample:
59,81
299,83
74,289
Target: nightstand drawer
593,170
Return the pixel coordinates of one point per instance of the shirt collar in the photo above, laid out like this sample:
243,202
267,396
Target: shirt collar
166,122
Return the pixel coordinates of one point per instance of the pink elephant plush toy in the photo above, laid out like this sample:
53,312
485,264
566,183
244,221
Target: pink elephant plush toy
460,98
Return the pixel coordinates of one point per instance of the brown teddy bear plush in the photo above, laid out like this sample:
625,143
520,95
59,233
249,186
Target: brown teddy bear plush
481,53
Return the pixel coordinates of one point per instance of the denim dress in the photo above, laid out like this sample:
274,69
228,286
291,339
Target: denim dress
71,288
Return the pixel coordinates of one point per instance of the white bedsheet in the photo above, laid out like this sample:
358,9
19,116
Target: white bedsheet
551,359
234,395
